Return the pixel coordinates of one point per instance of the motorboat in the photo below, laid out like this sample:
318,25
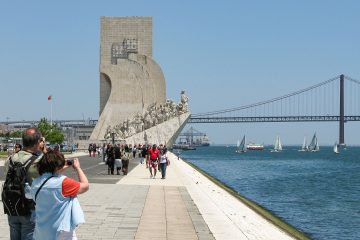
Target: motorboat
255,146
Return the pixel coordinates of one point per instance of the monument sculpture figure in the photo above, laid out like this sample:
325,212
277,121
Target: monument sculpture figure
151,117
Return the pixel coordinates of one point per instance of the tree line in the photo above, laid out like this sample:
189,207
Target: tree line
51,131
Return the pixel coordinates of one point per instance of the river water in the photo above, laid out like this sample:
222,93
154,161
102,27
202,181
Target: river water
318,192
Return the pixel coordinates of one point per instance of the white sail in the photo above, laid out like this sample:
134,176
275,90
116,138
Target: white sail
314,145
304,146
277,146
241,146
336,148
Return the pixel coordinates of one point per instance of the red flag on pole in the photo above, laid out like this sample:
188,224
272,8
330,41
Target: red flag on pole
49,97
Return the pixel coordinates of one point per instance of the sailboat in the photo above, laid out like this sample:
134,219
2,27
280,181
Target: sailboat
336,148
304,147
314,145
241,148
277,146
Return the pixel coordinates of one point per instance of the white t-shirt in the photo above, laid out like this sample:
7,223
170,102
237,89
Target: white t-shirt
163,159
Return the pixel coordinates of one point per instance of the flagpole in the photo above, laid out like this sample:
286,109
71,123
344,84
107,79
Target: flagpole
51,112
50,99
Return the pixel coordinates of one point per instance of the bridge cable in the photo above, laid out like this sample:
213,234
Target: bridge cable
267,101
351,79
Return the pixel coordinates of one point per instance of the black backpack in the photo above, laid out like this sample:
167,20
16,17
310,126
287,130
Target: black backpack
13,192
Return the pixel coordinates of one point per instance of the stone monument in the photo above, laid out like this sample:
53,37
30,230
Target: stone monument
133,101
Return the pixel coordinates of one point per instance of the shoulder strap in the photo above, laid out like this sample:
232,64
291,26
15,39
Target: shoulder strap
28,162
11,161
37,192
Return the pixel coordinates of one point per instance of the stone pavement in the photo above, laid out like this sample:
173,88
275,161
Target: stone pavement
225,216
185,205
154,209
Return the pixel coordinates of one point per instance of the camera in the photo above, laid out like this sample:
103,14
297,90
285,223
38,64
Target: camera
69,161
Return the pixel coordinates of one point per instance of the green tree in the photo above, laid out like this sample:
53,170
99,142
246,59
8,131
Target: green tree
51,132
16,134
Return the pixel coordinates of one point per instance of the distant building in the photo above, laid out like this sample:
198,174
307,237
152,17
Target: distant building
81,132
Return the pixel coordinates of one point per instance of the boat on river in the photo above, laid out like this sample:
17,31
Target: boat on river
255,146
336,148
277,146
202,141
241,146
304,147
314,144
183,146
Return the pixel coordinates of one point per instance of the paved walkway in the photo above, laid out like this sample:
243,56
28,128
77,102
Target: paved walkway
186,205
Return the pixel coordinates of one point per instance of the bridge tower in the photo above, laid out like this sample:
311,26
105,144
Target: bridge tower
341,120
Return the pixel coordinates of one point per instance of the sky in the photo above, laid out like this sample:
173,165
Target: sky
223,53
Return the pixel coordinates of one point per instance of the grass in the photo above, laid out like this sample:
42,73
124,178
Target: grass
268,215
3,154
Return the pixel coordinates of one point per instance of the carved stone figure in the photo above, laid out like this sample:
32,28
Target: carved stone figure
184,101
152,116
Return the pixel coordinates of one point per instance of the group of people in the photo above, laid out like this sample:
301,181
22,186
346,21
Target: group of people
52,210
156,159
117,157
93,149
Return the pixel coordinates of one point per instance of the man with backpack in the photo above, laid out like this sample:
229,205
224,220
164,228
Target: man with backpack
20,170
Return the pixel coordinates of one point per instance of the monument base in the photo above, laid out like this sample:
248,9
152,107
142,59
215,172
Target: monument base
163,133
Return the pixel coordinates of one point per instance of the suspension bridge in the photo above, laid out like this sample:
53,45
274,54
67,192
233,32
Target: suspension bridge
336,99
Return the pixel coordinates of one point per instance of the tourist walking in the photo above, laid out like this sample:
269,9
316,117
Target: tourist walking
90,149
125,161
94,149
104,152
110,161
154,155
117,155
144,152
164,162
134,151
98,150
58,210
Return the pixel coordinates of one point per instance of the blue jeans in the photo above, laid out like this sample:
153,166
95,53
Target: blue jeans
21,227
163,169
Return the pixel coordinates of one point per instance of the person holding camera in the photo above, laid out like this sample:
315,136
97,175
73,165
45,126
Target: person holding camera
21,224
57,210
